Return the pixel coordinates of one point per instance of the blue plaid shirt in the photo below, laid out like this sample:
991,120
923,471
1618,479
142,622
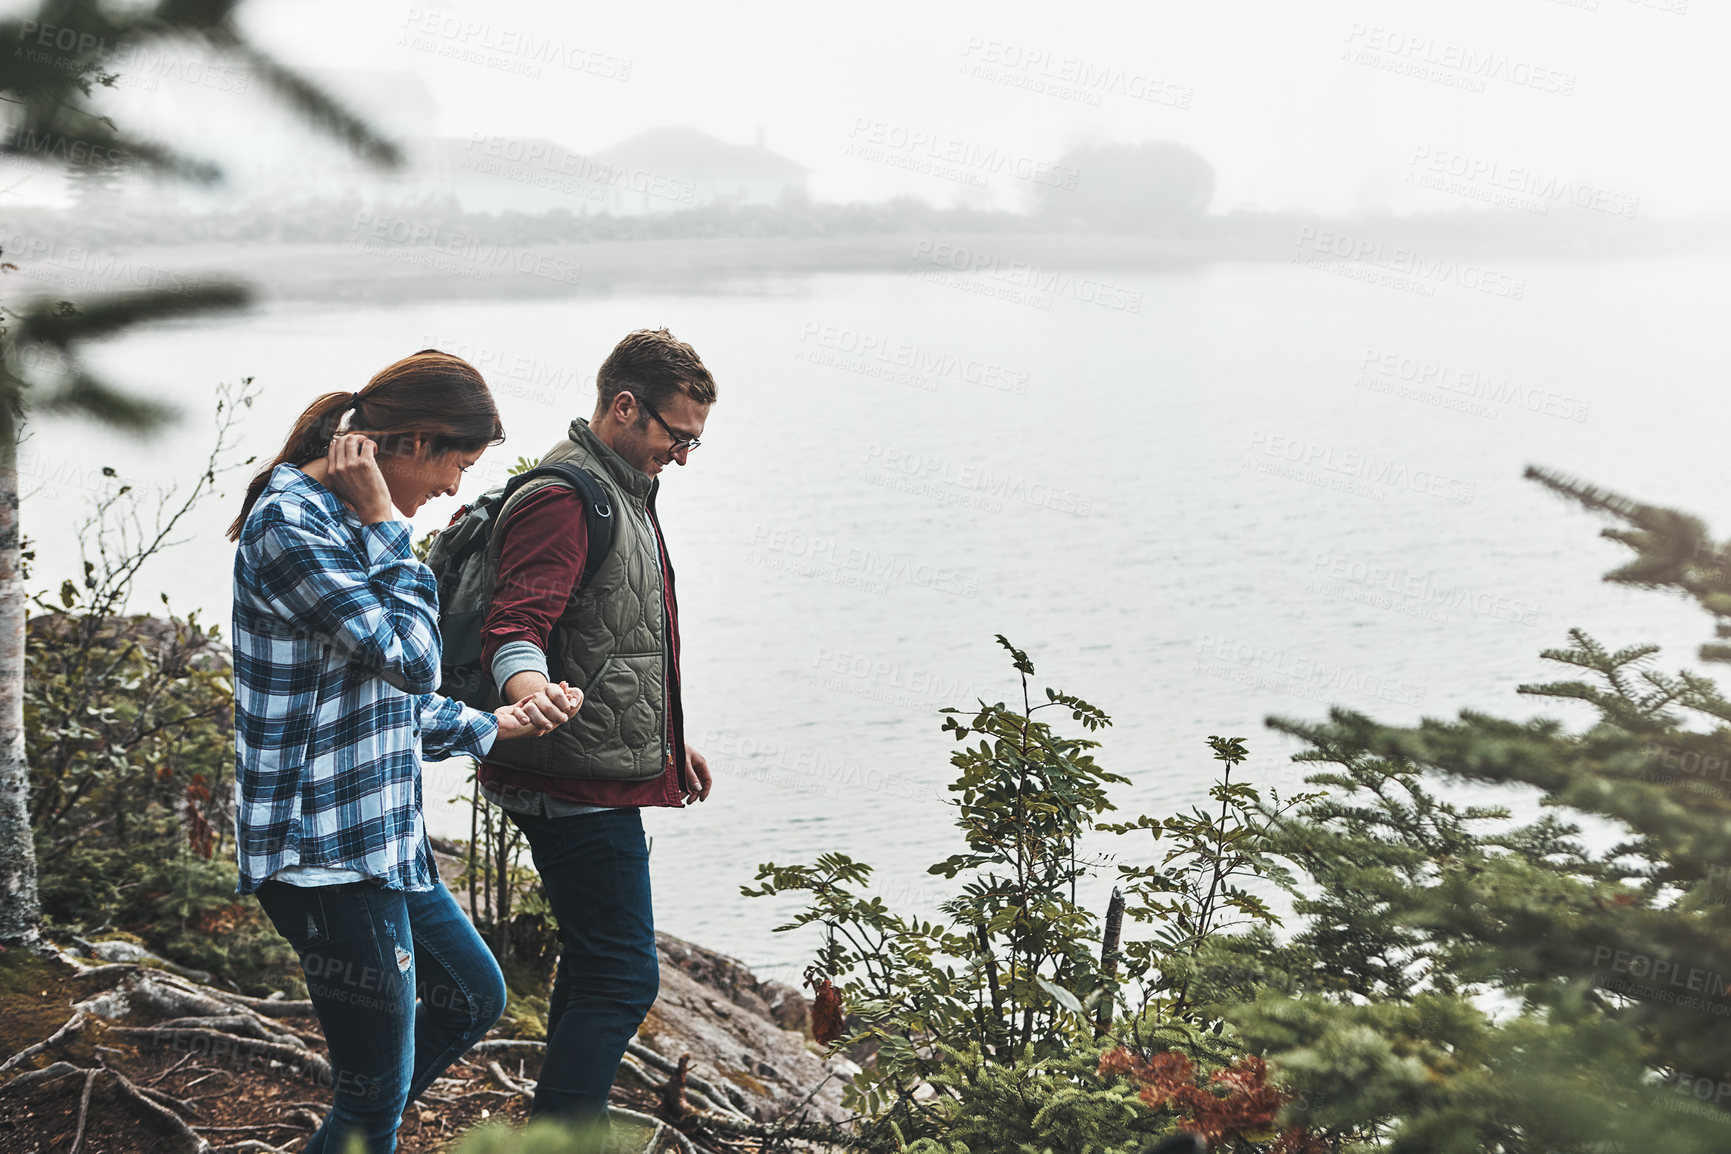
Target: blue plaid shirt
336,652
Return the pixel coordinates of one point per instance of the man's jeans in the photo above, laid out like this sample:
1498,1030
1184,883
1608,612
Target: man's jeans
596,870
403,985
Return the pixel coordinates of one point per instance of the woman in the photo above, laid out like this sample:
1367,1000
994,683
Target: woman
336,654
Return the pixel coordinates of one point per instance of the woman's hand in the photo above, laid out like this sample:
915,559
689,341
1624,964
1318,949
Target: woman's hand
353,475
513,723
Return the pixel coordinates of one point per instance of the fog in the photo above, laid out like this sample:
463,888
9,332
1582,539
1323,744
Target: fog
1323,106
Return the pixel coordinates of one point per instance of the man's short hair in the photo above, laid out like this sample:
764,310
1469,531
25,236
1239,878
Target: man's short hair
652,365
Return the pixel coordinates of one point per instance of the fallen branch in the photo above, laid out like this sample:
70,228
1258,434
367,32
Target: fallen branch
72,1026
727,1098
174,1068
659,1130
693,1096
505,1082
827,1132
506,1045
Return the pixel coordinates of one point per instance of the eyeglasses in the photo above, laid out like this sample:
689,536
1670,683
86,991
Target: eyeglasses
680,444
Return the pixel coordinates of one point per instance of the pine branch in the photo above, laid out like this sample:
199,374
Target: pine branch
61,324
321,111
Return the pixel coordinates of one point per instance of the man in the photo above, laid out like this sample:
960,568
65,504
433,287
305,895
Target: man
576,793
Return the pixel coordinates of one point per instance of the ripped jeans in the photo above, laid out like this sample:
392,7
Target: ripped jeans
403,986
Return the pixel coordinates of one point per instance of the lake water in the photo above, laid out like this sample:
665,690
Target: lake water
1263,489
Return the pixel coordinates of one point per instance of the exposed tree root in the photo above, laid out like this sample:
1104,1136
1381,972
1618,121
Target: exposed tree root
73,1025
215,1040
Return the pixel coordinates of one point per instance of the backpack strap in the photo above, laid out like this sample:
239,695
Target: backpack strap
597,509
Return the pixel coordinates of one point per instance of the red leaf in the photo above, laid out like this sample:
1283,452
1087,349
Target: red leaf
827,1017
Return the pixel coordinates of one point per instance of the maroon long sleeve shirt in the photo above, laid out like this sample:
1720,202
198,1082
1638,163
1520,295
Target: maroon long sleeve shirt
541,560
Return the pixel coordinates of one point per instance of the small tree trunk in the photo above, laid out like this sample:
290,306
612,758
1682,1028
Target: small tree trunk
502,909
20,908
1109,961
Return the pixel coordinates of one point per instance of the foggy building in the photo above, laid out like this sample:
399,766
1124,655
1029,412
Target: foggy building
666,169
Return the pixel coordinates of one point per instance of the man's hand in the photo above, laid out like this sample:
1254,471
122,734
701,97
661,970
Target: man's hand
355,478
695,781
551,705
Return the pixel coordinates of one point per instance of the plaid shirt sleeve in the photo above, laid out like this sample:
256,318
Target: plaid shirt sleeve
450,728
381,615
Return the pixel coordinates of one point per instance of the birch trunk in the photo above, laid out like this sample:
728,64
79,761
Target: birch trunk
20,909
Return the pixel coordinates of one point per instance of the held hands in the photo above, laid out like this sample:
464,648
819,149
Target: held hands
353,475
539,713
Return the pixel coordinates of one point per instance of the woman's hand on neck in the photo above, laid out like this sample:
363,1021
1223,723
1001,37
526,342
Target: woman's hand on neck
351,470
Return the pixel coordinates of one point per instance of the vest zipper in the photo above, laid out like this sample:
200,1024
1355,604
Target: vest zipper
666,647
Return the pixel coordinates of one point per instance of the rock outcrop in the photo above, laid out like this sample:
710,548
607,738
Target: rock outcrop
751,1034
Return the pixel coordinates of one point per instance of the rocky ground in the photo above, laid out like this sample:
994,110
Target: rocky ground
123,1056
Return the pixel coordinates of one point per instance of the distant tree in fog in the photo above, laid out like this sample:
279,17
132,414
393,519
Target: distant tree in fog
1155,186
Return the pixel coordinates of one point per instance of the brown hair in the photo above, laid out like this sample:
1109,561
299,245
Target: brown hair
652,365
430,393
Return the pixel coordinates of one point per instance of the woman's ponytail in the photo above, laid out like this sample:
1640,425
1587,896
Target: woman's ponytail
435,394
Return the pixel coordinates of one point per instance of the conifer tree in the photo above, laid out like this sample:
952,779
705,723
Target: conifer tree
1467,981
51,64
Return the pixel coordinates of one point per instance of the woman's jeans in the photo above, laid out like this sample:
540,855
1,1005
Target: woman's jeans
403,985
595,867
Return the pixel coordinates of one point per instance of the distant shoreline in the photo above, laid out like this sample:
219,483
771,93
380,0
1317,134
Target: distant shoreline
455,267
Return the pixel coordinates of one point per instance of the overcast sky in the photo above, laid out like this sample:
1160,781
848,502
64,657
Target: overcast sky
1321,104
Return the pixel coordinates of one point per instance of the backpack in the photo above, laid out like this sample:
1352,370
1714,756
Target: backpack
458,560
